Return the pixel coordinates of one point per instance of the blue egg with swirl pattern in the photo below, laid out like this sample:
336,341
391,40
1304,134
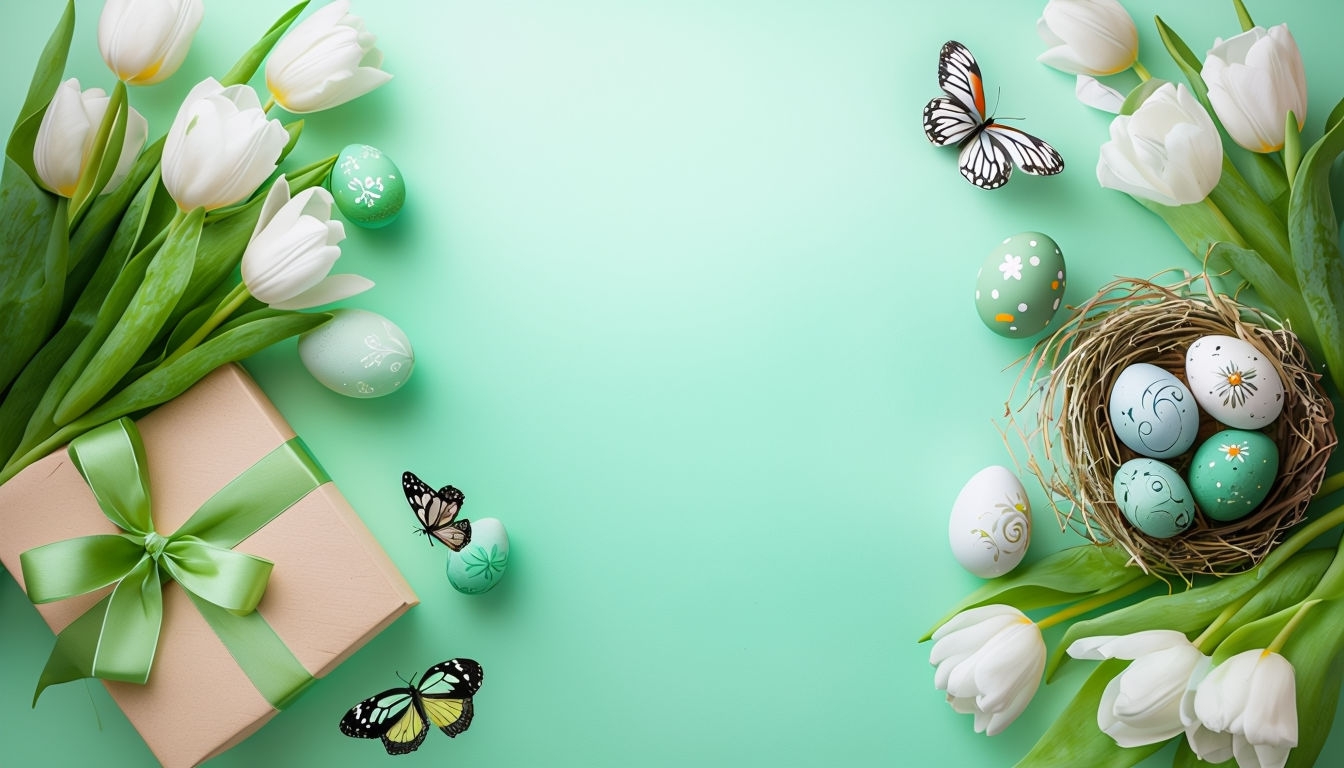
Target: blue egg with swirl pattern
1152,412
1153,498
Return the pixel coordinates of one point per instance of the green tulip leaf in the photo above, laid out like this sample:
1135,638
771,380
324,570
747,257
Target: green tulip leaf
1060,577
1316,650
1256,222
1314,233
1275,291
1292,146
166,277
32,269
104,153
1193,610
46,79
1336,115
1140,94
251,60
1243,16
1074,740
1186,60
170,380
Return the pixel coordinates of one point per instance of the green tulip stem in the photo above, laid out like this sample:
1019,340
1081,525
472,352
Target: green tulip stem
270,102
1223,618
1304,536
1096,601
1331,484
1281,639
1141,71
227,306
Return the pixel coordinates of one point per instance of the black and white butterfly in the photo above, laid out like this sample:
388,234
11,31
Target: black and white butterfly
988,149
401,716
437,512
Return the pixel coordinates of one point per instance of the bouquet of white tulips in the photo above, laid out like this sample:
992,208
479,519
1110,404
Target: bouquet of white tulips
1223,666
120,279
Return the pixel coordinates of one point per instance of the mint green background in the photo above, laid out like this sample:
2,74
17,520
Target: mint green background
691,296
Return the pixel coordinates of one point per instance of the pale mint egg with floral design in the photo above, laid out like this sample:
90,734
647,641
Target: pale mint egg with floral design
1234,382
1152,412
480,565
358,353
1153,498
1020,285
990,525
367,186
1232,472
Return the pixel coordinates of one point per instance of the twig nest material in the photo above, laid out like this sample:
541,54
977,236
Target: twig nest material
1071,374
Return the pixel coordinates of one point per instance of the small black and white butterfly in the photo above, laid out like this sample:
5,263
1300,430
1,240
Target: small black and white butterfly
401,716
988,149
437,512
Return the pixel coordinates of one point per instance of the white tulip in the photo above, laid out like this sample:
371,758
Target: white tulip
1168,151
1245,708
66,136
1254,80
293,247
1088,37
990,661
221,147
145,41
1142,705
327,60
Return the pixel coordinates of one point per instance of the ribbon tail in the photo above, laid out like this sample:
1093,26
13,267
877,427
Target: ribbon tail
76,646
271,666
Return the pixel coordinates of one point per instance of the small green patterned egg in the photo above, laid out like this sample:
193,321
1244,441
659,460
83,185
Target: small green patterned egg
358,353
1020,285
367,186
1153,498
480,565
1232,472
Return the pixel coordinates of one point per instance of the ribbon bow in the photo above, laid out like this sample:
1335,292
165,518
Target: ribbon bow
117,638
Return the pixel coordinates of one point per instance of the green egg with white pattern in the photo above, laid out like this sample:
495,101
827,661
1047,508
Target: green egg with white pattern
481,563
367,186
1232,472
1020,285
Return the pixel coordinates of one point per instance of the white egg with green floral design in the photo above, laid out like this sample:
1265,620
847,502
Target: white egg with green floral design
990,524
1234,382
1020,285
1232,472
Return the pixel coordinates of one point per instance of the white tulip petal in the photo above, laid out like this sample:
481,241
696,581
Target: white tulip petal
327,60
1091,37
1093,93
333,288
1130,646
276,198
145,41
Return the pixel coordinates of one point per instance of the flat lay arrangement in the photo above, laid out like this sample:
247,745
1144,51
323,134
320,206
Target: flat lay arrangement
856,386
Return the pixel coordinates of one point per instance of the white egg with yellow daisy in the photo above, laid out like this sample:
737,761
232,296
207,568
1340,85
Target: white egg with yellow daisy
1232,472
1234,382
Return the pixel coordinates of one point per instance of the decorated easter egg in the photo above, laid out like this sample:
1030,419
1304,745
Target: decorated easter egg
358,353
367,186
1153,498
480,565
1233,381
990,525
1020,285
1232,473
1152,412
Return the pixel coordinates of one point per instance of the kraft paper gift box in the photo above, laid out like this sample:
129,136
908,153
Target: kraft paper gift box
331,590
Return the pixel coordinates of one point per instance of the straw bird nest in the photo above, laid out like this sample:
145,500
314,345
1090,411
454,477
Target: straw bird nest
1070,375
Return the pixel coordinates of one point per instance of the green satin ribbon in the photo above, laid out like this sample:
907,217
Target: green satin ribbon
117,638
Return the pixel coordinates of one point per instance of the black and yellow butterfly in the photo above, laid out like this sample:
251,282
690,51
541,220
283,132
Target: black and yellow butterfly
437,512
401,716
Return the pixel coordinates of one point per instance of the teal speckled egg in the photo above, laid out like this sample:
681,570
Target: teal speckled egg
480,565
358,353
1020,285
1232,472
1153,498
367,186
